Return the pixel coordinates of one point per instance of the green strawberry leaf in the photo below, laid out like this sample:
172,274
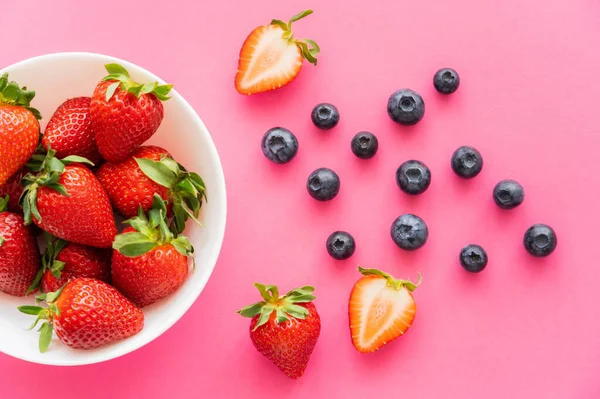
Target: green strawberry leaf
31,310
110,90
36,282
280,23
162,92
59,188
4,203
45,337
183,245
299,16
252,310
76,159
299,312
11,92
264,316
157,172
57,268
172,165
133,244
281,316
116,69
2,240
149,87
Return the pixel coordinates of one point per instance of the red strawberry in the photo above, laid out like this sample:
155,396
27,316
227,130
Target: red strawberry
151,170
148,261
14,189
125,114
271,57
284,329
69,131
65,199
63,262
19,253
19,127
381,309
85,314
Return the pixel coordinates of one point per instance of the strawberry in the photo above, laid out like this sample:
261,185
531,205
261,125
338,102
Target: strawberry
19,253
69,131
149,262
19,127
381,309
151,170
125,114
284,329
65,199
63,262
14,189
85,314
271,57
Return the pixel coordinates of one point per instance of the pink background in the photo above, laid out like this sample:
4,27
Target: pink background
529,98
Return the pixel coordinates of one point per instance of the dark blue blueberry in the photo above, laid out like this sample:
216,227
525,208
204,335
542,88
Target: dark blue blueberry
540,240
473,258
323,184
446,80
341,245
409,232
325,116
413,177
467,162
364,145
508,194
279,145
406,107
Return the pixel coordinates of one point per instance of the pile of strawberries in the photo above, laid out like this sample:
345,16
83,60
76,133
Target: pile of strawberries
68,183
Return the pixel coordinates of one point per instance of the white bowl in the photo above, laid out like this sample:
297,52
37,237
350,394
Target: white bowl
57,77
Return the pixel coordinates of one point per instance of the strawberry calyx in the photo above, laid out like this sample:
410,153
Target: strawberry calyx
151,232
119,74
284,306
44,314
49,261
3,208
187,189
309,48
47,170
391,281
13,94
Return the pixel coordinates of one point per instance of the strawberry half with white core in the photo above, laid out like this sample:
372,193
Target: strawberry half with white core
381,308
271,57
285,329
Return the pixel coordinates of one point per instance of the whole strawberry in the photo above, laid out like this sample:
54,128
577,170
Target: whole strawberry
80,325
151,170
19,253
149,262
14,189
65,199
285,329
69,131
125,114
63,261
19,127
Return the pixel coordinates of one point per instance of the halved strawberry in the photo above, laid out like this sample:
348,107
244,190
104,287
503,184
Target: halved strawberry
381,309
271,57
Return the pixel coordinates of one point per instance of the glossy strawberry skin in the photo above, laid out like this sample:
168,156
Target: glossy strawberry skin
128,187
288,345
19,255
19,135
80,261
147,278
84,217
92,314
69,131
124,122
13,189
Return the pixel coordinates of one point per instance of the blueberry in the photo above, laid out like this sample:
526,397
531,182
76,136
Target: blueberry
341,245
323,184
364,145
473,258
413,177
467,162
409,232
325,116
279,145
540,240
406,107
446,80
508,194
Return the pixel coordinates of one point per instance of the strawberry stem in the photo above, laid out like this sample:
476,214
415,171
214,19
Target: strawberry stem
122,79
391,281
308,47
283,306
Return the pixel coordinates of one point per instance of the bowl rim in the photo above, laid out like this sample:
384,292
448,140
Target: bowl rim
186,303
